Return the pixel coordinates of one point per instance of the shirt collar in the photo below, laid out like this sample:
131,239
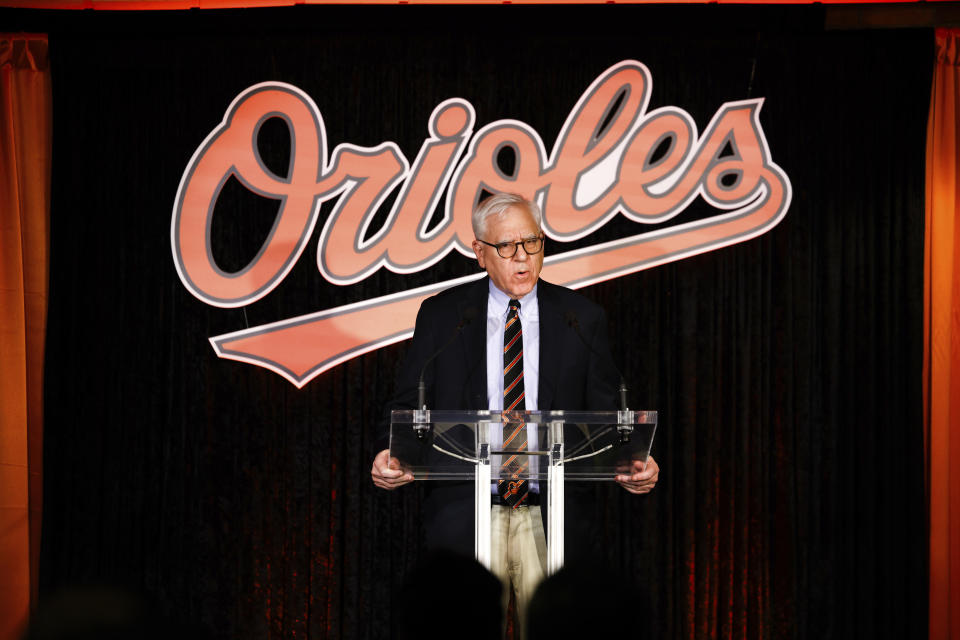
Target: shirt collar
498,301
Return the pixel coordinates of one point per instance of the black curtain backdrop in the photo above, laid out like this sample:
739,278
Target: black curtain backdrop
786,369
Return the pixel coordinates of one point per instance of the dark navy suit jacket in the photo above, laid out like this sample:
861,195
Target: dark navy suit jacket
573,376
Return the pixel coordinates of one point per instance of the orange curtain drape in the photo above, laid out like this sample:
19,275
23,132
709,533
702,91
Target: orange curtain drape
25,150
941,372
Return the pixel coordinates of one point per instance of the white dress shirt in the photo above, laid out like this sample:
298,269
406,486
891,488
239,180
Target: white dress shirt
497,304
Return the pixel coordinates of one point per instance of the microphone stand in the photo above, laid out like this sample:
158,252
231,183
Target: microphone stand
624,415
421,415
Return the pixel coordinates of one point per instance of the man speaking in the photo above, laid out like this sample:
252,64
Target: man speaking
523,344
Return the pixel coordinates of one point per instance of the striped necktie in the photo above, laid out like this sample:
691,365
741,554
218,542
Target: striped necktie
512,488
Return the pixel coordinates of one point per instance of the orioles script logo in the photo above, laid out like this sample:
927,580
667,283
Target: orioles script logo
612,157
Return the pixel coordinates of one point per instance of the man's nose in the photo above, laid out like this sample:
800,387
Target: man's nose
521,250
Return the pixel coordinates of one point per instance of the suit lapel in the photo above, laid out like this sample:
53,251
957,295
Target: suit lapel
552,351
474,343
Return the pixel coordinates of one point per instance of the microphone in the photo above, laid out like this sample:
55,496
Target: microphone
465,319
624,427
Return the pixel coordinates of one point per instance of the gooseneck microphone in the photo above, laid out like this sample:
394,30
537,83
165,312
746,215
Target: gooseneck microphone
465,319
624,428
574,324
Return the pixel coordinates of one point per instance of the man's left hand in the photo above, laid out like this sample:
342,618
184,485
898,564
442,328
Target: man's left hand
642,476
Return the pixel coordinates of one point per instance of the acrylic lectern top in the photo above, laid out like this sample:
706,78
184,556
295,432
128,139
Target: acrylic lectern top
590,445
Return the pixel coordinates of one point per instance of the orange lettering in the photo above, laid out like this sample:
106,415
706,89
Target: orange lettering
231,150
582,192
611,156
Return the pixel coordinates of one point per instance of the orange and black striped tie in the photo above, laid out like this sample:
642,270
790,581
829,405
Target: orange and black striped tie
511,487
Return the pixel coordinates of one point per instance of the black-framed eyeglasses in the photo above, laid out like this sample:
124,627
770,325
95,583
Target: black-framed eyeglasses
509,249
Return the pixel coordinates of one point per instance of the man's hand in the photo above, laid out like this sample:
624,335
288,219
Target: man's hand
386,472
641,477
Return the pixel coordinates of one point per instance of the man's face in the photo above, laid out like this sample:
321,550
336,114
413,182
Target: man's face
517,275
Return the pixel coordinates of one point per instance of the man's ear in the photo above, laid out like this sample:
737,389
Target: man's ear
478,250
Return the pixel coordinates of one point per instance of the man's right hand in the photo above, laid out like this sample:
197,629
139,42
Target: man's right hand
386,472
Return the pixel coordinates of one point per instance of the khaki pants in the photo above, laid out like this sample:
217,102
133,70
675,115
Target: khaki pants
518,549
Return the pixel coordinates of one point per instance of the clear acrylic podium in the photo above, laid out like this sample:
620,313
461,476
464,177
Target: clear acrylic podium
562,446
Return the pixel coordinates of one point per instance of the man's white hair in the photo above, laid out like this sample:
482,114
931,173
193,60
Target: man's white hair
496,204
